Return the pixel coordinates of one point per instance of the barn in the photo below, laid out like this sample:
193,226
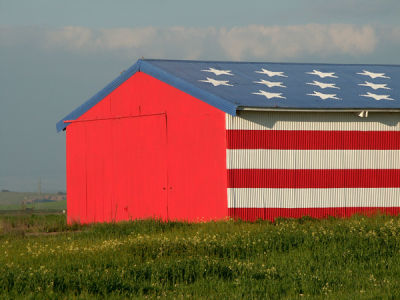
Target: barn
206,140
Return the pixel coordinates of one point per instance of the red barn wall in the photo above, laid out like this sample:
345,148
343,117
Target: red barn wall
147,150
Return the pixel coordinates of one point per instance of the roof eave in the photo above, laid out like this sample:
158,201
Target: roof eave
149,69
80,110
284,109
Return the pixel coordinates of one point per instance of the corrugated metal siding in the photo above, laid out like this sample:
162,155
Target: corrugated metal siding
313,121
310,178
313,198
312,159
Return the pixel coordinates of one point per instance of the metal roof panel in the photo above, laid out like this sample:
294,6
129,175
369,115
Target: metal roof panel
299,86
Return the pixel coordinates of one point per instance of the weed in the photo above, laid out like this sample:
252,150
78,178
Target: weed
355,258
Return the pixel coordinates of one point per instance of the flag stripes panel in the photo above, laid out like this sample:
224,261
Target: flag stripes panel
312,139
309,198
318,163
328,121
313,178
312,159
253,214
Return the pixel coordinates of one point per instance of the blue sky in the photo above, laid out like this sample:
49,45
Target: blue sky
54,55
128,13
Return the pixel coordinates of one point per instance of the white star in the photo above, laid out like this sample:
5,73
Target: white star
269,95
375,86
218,72
373,75
322,74
323,85
271,73
270,84
215,82
377,97
324,96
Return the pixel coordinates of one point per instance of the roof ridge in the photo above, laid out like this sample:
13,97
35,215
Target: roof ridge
265,62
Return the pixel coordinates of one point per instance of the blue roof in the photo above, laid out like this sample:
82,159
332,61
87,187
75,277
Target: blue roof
232,86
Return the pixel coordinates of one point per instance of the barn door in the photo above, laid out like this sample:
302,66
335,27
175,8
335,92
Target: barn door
139,167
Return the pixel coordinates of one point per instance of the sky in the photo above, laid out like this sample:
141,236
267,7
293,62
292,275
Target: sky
54,55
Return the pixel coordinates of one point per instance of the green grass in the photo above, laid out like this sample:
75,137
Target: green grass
357,258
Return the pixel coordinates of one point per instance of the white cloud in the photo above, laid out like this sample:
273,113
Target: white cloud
292,41
74,38
394,35
237,43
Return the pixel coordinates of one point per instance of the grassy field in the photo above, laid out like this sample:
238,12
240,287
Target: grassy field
43,258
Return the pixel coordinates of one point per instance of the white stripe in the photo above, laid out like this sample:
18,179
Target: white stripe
312,159
313,198
313,121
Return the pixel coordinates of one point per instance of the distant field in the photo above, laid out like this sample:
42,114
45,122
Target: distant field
43,258
59,205
21,201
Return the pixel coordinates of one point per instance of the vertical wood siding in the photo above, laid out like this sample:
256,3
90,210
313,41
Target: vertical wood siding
147,150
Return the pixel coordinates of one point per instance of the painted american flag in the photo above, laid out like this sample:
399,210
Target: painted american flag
289,85
293,164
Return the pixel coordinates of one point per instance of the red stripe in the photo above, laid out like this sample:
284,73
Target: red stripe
314,178
253,214
308,139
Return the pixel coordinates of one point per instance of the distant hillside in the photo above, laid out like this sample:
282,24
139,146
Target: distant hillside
19,200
